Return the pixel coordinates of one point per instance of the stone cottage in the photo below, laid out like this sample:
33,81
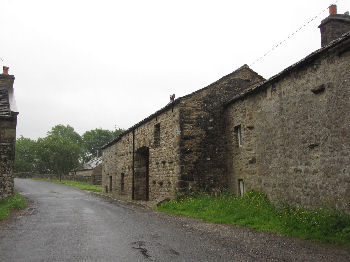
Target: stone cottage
8,122
288,136
178,148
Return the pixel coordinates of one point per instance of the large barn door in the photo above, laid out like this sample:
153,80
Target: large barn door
141,189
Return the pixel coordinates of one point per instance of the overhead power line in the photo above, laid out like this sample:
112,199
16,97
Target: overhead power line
291,35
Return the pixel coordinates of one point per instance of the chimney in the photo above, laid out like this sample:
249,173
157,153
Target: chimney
5,70
334,26
332,10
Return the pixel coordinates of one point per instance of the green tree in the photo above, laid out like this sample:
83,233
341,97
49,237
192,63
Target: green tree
60,151
25,155
93,140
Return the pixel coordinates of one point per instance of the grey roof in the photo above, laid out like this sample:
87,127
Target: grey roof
342,42
91,164
5,110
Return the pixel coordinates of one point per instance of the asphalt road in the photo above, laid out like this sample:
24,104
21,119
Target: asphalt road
67,224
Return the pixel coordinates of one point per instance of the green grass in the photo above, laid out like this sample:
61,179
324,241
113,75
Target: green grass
77,184
254,210
17,201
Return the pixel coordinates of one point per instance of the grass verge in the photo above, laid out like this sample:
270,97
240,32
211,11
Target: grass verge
17,201
77,184
254,210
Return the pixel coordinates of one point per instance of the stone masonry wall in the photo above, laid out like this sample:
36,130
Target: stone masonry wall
164,162
70,176
296,136
7,155
96,176
333,27
203,165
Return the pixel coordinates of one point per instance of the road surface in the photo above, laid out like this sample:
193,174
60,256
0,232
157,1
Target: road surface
67,224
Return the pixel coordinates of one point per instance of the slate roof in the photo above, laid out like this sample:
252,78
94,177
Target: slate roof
5,110
343,43
91,164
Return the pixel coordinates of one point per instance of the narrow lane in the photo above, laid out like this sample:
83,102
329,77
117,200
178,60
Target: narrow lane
67,224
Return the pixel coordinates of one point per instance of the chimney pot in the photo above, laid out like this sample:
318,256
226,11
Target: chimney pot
5,70
332,10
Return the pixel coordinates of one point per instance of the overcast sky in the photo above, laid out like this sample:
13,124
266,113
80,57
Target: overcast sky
108,63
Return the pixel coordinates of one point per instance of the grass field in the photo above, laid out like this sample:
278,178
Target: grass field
254,210
80,185
17,201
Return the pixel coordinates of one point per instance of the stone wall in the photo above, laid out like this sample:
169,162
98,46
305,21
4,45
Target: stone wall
81,178
202,131
333,27
162,160
295,135
96,176
7,155
8,122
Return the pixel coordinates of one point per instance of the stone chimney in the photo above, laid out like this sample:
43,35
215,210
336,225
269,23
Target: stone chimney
334,26
6,81
5,70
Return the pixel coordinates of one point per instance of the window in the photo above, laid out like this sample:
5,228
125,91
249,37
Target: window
122,175
238,136
157,135
240,187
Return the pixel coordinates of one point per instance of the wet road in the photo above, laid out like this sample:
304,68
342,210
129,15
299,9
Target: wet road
67,224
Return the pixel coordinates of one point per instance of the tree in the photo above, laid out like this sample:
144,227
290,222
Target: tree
60,151
25,155
93,140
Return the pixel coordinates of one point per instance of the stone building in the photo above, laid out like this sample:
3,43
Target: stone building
178,148
8,122
91,171
288,136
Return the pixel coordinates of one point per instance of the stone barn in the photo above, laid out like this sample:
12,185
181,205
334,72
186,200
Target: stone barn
90,171
176,149
290,136
8,123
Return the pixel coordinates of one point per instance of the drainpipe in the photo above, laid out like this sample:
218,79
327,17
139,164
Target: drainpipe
133,164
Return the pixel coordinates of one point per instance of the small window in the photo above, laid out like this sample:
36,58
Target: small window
157,135
238,136
122,175
240,187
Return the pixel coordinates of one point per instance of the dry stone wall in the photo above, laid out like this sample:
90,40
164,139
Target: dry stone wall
295,136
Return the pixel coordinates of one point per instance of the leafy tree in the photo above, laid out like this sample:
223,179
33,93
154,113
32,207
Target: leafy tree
93,140
60,151
65,131
25,155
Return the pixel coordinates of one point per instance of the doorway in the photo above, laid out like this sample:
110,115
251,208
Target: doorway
141,182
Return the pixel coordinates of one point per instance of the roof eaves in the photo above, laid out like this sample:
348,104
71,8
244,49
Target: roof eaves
287,70
150,117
